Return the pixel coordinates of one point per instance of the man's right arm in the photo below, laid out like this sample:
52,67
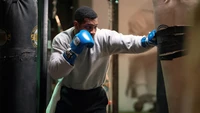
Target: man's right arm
58,67
63,58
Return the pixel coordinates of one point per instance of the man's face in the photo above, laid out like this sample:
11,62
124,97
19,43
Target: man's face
89,25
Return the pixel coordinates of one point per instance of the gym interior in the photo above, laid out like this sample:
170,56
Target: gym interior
147,82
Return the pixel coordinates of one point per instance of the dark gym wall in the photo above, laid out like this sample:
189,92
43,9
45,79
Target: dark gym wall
64,9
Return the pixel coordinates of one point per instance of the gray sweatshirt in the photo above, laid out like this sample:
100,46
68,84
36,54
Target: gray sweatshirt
91,65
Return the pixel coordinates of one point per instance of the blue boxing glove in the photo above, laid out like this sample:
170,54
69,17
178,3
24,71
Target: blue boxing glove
80,40
150,40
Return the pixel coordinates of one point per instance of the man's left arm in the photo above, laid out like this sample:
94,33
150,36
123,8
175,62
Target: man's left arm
119,43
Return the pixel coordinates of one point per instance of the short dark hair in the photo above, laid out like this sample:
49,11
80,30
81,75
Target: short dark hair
84,12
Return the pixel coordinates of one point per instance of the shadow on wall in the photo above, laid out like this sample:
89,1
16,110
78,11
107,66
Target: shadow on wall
142,67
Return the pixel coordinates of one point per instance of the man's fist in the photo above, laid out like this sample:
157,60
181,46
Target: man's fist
150,40
81,40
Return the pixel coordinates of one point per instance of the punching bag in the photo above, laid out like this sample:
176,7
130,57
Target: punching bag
18,56
171,21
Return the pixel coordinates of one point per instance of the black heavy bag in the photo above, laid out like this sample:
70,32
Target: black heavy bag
17,56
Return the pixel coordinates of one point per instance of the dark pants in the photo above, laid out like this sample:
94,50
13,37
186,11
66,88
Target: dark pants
82,101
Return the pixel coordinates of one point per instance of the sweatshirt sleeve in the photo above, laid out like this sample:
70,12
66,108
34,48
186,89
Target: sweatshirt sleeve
58,67
113,42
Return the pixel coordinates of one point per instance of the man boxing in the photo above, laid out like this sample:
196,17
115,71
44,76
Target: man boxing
80,60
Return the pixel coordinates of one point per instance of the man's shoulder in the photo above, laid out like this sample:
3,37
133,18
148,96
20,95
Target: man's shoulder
70,30
65,34
103,31
104,34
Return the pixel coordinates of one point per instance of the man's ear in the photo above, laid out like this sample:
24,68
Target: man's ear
76,24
